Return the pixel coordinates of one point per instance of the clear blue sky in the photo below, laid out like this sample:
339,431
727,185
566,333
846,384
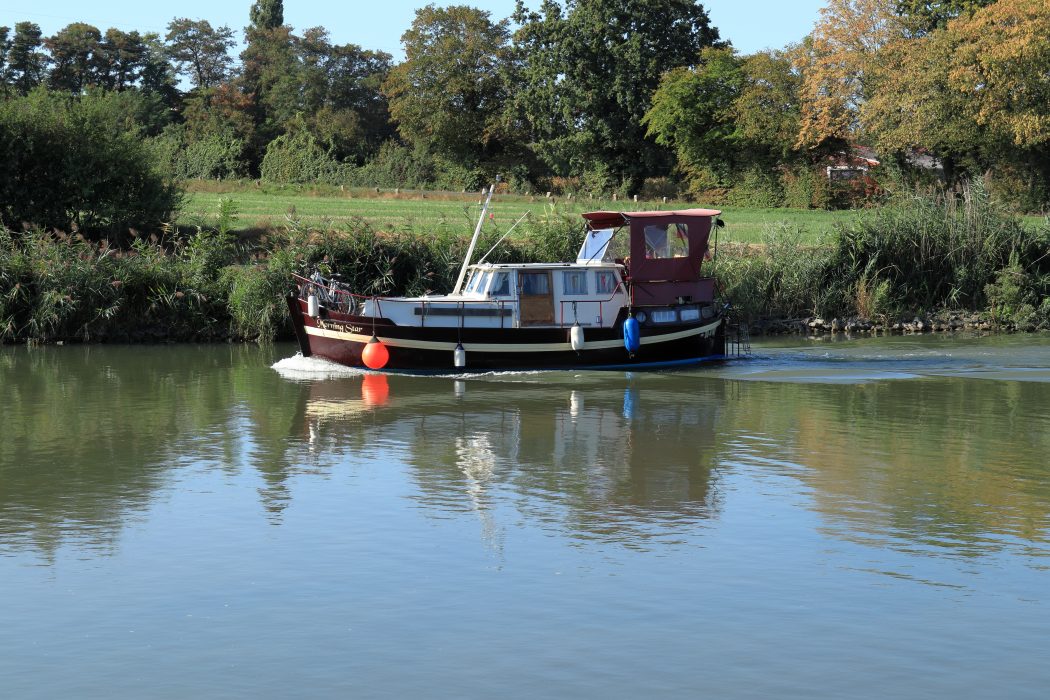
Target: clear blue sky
751,25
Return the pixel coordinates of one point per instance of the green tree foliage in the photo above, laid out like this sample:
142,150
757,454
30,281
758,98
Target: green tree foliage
267,14
692,112
341,96
200,51
924,16
74,57
120,59
78,163
585,76
26,64
730,119
767,109
270,77
448,94
5,46
158,75
914,107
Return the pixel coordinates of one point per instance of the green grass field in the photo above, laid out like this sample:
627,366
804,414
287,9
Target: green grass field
430,212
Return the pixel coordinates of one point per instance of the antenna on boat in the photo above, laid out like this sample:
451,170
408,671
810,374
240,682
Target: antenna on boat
474,239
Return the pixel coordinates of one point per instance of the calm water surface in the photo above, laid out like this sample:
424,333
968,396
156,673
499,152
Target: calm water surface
862,519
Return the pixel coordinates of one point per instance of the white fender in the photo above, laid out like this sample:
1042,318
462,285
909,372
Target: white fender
576,337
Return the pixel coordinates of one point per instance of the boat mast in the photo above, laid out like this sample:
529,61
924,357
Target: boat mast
474,240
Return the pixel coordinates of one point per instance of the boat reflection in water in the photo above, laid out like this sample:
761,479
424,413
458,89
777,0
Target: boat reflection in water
594,457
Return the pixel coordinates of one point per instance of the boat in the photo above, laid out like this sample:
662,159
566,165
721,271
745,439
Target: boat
636,297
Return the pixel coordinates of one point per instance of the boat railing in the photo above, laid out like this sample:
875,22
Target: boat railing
738,337
574,306
503,309
334,296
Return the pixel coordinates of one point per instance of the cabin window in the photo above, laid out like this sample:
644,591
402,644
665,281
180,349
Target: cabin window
671,241
501,286
607,282
535,283
574,283
663,316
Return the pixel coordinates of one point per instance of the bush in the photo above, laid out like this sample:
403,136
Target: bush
213,156
756,187
297,158
805,188
394,166
79,164
778,279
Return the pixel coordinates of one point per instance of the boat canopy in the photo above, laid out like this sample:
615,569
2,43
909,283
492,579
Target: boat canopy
613,219
667,250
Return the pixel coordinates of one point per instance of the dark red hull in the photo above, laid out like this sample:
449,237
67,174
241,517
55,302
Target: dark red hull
341,338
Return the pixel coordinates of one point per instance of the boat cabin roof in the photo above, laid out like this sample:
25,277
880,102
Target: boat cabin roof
614,219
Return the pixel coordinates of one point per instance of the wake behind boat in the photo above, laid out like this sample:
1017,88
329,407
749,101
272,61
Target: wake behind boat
634,304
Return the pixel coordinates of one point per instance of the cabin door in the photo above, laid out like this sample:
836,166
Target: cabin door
537,298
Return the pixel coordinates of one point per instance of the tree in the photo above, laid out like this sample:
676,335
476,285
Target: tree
341,94
120,59
692,112
269,73
448,93
5,46
1001,66
74,55
840,57
25,62
584,78
267,14
924,16
914,107
200,51
157,77
767,109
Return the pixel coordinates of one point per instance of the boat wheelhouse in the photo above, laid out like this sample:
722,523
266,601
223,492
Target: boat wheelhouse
635,297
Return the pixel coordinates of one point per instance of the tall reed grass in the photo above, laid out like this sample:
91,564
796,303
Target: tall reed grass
917,254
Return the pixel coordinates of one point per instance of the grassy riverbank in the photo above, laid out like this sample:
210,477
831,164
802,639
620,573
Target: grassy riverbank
913,257
265,207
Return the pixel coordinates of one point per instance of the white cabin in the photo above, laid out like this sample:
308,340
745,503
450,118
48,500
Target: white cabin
517,296
589,292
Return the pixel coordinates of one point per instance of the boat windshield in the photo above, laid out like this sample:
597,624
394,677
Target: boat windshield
478,280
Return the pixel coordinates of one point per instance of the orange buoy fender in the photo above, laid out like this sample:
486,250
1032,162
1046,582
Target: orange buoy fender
375,355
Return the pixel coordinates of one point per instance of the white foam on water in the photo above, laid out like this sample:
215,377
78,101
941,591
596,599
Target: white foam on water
300,368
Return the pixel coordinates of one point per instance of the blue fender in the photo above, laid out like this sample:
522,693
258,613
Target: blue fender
632,335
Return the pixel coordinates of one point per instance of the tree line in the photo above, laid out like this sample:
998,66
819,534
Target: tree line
588,95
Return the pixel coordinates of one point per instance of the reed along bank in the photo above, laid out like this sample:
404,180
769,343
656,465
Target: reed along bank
941,261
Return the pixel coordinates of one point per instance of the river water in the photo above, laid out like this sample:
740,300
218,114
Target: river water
863,519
